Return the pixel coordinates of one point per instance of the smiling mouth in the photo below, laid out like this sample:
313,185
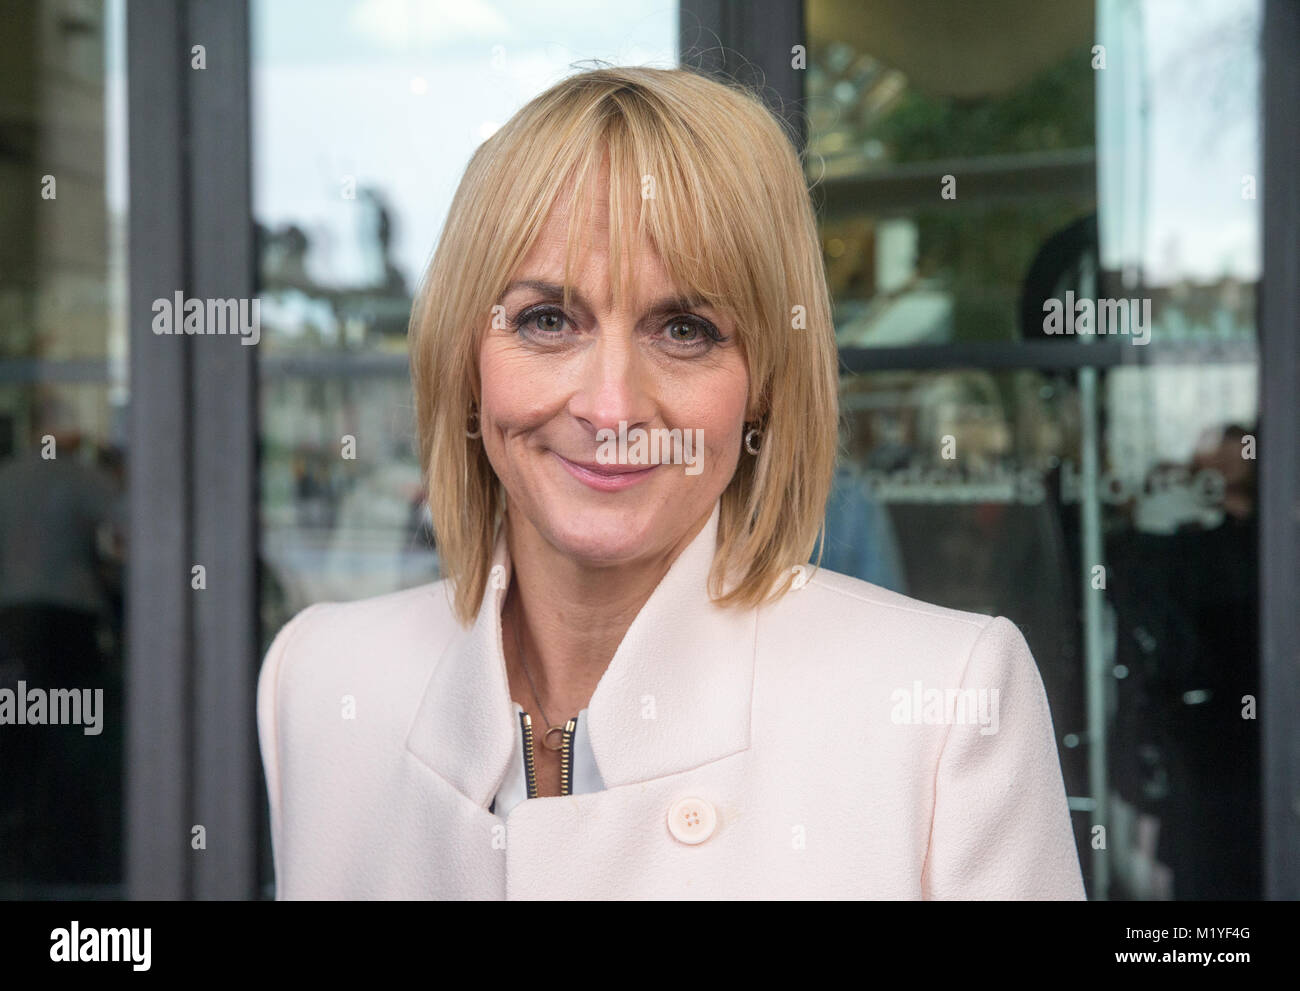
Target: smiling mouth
606,478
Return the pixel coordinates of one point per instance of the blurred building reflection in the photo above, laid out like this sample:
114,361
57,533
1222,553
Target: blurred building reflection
975,164
62,454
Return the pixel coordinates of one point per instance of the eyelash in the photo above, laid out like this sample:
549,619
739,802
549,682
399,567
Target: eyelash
711,334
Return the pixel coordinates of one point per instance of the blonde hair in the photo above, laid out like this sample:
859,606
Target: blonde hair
728,214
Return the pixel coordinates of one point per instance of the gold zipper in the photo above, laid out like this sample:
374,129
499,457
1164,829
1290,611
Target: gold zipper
530,767
566,756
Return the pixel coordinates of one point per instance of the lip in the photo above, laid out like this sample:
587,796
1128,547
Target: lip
606,478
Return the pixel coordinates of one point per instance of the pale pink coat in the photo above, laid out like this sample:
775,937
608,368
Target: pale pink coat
790,729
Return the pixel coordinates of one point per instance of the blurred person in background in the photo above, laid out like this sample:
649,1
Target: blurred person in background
60,547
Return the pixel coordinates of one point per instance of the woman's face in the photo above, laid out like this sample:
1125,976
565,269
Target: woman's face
561,388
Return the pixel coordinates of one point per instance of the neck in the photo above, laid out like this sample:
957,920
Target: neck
570,616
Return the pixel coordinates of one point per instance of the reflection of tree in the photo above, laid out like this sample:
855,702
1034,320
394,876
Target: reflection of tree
1052,111
380,307
338,526
383,229
1214,74
283,255
980,254
977,252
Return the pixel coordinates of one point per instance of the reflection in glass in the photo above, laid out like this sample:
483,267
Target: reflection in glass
945,160
1109,510
62,452
364,116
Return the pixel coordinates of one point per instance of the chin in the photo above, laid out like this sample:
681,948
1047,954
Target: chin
606,534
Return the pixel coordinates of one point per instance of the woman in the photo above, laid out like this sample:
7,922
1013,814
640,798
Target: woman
628,685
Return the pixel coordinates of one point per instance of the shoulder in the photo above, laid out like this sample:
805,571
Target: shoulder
858,625
388,642
822,599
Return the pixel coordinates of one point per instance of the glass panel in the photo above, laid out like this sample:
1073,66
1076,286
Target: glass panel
364,117
1178,140
963,158
63,401
337,528
989,529
947,156
1110,510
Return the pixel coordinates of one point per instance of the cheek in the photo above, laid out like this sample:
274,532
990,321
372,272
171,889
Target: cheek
716,403
516,396
726,441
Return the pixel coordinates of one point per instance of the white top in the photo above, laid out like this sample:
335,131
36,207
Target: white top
586,776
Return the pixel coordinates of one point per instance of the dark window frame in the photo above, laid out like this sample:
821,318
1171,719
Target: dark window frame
191,749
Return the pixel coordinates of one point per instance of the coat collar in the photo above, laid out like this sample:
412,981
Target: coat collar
676,694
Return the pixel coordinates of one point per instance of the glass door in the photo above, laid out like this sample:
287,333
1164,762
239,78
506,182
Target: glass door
1042,228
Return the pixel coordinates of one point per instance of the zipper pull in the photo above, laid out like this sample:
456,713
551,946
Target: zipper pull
566,757
530,766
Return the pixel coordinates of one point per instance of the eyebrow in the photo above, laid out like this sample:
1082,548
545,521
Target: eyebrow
554,292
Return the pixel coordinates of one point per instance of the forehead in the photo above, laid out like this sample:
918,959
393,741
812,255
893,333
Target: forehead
579,230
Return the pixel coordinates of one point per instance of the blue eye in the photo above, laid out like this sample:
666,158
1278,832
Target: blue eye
546,321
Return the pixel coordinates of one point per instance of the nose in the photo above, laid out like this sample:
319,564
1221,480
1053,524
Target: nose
613,386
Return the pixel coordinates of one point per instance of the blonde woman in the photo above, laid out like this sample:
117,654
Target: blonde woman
628,683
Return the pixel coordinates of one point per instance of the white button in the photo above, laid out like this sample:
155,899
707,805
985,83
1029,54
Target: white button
692,820
497,576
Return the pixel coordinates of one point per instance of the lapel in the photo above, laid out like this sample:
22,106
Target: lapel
676,694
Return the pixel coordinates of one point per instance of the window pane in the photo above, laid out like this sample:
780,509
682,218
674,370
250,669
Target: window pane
364,117
1109,510
946,155
965,156
63,397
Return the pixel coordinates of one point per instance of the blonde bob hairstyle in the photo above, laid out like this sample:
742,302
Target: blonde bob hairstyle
706,174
